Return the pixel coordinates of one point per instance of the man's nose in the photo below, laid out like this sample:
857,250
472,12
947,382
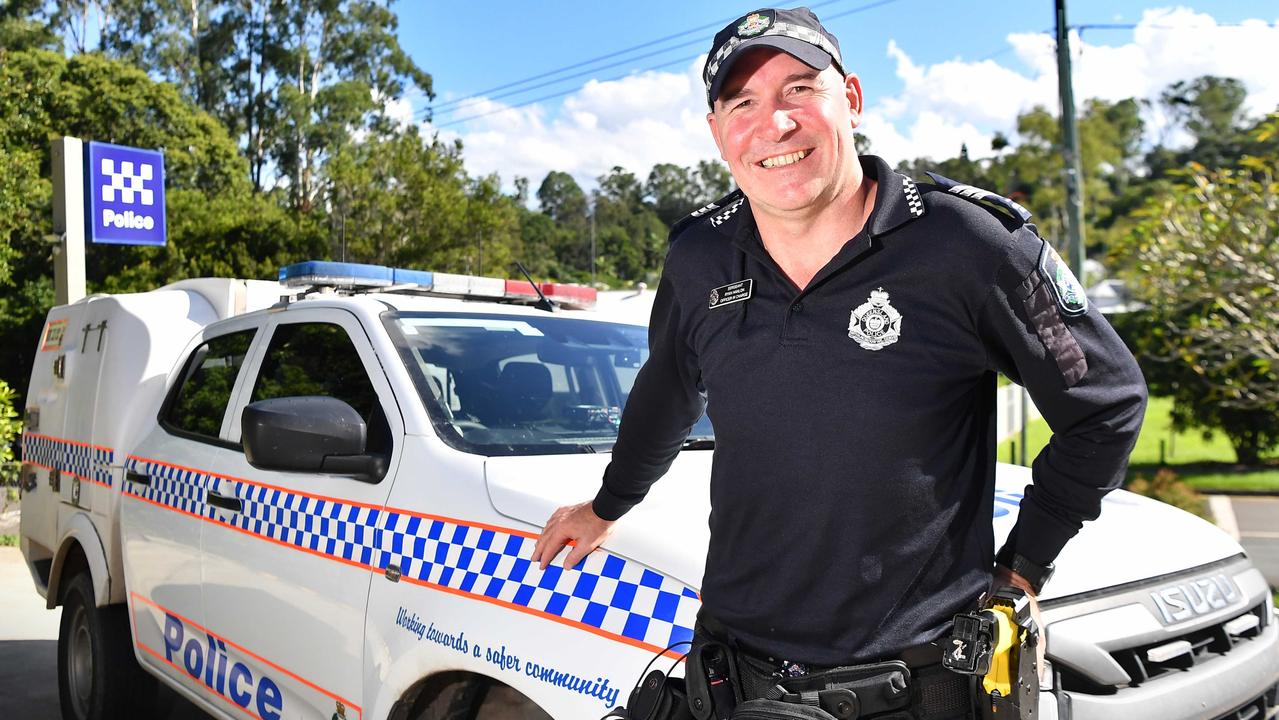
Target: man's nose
782,122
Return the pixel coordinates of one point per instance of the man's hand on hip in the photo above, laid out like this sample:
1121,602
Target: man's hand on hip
575,525
1005,577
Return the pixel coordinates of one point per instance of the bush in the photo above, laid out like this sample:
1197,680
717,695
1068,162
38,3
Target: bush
1166,488
10,428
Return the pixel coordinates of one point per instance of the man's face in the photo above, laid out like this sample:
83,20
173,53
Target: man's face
786,131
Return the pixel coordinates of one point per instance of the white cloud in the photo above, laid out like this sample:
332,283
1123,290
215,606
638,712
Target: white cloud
635,122
653,117
969,101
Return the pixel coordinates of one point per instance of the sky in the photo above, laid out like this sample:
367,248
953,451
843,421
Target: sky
936,74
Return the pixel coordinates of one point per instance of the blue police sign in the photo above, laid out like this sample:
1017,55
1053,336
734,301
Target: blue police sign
126,195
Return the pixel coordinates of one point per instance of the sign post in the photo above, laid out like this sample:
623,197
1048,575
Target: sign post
68,220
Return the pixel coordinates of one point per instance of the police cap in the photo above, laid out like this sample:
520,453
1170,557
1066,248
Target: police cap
796,32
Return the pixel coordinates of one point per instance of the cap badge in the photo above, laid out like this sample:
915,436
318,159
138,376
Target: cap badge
875,324
754,24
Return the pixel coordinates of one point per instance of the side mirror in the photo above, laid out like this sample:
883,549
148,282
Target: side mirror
310,434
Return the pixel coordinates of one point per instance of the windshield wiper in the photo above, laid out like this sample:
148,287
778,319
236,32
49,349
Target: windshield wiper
699,443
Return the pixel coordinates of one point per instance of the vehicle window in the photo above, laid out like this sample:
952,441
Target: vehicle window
200,401
503,385
320,359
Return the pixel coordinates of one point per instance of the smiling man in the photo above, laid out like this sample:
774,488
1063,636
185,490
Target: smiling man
843,327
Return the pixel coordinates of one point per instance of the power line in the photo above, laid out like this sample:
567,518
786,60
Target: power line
445,106
860,8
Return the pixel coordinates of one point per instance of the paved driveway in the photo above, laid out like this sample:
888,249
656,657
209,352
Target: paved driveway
1258,522
29,649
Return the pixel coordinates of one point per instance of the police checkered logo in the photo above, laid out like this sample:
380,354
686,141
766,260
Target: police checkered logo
91,463
791,30
617,596
728,212
914,202
128,183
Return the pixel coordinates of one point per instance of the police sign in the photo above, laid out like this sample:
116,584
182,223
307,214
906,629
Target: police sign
126,195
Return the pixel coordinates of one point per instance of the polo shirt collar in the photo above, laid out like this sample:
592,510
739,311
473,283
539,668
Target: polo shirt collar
897,202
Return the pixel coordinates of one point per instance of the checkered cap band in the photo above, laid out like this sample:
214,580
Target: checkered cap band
790,30
620,597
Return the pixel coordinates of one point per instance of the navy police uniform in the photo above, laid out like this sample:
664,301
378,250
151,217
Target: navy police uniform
852,488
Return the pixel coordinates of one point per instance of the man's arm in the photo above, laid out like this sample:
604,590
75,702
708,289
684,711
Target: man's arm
663,406
1041,333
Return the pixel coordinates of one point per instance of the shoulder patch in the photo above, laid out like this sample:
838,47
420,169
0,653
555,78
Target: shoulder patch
983,197
1066,288
720,210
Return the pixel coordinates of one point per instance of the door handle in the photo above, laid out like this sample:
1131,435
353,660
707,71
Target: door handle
136,477
234,504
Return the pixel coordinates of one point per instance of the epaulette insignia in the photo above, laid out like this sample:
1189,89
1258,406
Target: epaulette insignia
978,195
727,204
723,216
914,202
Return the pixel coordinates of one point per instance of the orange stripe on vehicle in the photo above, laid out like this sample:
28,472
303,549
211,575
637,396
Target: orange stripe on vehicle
68,441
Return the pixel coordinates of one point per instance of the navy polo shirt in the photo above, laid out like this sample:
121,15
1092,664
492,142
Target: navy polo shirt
853,477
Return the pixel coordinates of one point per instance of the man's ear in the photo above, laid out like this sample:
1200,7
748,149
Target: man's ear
853,91
710,120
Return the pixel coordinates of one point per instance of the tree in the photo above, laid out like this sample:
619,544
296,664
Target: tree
1203,261
215,225
1210,110
631,238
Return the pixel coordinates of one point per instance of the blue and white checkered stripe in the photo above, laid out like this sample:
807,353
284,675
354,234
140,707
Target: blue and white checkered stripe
605,592
88,462
173,487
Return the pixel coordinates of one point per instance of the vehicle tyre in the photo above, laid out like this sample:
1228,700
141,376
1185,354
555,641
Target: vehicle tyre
98,676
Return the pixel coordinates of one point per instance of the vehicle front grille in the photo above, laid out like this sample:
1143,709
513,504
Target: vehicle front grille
1178,654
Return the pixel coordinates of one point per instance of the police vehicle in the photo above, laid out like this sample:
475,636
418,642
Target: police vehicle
318,498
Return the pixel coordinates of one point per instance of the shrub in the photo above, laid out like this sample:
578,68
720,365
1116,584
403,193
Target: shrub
1165,487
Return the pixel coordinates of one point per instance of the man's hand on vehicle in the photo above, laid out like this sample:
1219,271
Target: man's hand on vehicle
1005,577
575,525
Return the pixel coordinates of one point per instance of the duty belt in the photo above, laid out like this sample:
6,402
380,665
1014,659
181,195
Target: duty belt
727,680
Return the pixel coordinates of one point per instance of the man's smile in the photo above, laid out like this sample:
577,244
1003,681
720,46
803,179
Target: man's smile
787,159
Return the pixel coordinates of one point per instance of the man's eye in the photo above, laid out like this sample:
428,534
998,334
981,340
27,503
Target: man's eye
741,105
800,89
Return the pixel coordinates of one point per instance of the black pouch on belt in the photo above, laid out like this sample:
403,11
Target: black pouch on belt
659,697
713,684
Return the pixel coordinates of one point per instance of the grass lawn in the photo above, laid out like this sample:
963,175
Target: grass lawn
1207,464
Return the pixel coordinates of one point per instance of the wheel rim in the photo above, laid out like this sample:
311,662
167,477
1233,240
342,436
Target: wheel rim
80,662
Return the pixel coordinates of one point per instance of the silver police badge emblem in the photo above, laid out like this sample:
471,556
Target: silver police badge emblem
875,324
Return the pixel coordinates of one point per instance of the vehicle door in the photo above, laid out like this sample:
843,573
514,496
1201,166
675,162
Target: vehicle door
166,499
288,560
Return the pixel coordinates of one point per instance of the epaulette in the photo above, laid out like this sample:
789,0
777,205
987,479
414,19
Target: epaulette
726,206
985,198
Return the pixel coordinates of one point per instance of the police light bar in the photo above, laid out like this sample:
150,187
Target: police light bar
575,297
336,274
358,276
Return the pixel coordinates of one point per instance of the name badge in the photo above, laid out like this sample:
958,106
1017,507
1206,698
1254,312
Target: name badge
731,293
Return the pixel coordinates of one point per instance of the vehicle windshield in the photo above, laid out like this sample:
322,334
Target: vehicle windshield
527,385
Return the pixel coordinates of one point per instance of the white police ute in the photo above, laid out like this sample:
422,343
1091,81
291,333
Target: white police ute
318,499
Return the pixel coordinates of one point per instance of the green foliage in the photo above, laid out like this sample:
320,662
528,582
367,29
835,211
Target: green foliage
1166,487
10,429
1202,260
8,540
401,200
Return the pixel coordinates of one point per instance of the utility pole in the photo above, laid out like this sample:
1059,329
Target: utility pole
1070,147
593,204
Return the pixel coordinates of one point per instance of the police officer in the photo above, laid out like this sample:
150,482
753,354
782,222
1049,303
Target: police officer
843,327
